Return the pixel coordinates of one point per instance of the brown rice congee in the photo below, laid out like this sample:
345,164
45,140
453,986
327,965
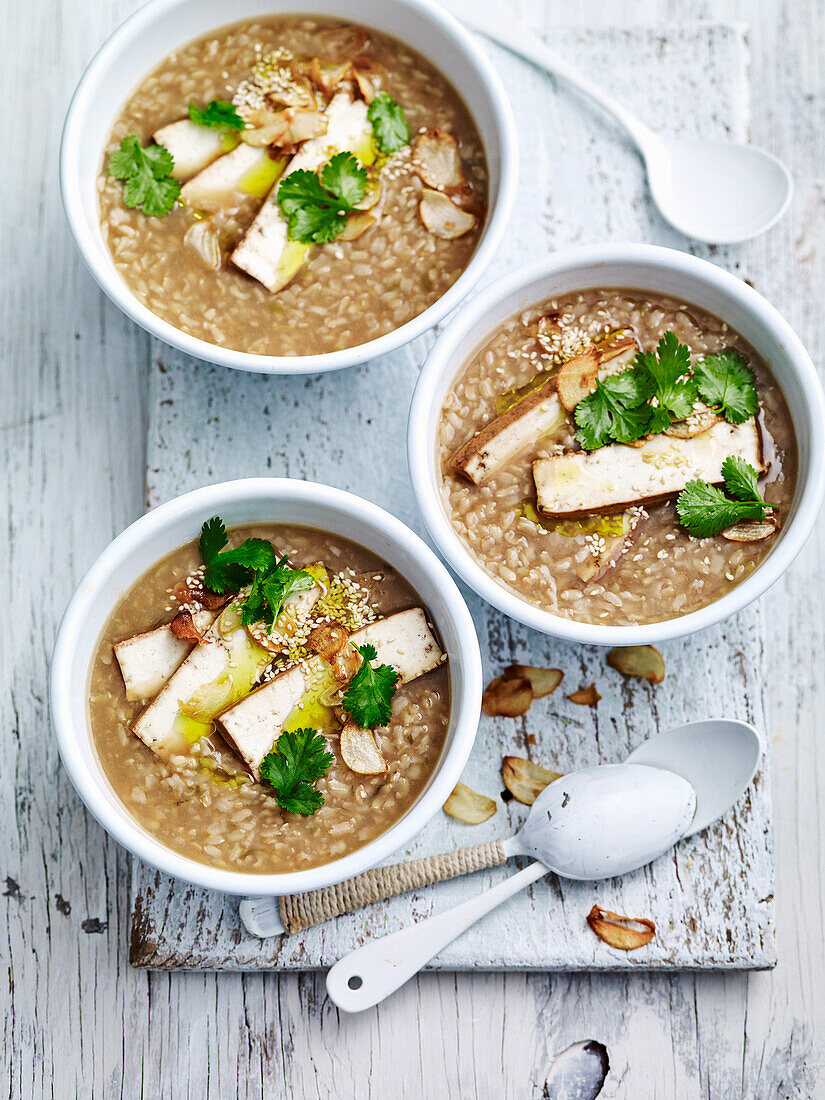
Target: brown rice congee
203,793
221,264
587,528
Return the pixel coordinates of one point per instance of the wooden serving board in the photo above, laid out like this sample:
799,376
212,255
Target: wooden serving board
711,898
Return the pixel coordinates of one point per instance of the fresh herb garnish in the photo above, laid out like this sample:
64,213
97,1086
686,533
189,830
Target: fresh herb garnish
658,388
389,126
369,695
617,410
317,205
270,590
296,761
146,172
220,112
672,388
253,563
705,510
728,386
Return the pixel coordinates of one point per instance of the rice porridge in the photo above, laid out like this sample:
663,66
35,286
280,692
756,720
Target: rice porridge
269,746
616,457
292,186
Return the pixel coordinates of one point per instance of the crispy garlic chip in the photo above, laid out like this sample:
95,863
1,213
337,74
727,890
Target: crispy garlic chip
585,697
360,752
183,626
751,532
512,693
507,696
442,217
577,378
638,660
623,933
468,805
524,779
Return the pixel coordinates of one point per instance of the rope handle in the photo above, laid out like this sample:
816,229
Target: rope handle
299,911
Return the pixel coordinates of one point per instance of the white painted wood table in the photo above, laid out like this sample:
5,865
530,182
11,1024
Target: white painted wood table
75,410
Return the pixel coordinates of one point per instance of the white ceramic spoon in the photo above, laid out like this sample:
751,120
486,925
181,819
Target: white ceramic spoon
592,824
715,191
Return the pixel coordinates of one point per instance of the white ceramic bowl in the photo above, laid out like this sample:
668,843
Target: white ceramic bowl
160,26
162,530
664,271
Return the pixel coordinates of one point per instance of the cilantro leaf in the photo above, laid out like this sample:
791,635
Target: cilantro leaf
616,410
705,510
230,570
345,178
667,369
728,386
278,584
741,480
317,205
369,695
296,761
213,539
146,173
219,112
389,126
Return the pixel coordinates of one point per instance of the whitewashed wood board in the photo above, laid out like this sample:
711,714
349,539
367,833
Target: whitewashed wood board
712,898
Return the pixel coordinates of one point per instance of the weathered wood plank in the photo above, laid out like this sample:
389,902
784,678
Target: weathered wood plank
713,899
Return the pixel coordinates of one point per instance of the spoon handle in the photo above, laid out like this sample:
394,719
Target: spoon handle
518,38
299,911
366,976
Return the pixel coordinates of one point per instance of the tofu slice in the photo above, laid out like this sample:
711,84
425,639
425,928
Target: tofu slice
265,252
148,660
617,476
245,171
521,426
403,640
215,674
509,434
193,147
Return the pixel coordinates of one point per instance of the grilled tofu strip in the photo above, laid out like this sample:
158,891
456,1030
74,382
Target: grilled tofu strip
403,640
148,660
618,476
521,426
247,170
193,147
265,252
210,679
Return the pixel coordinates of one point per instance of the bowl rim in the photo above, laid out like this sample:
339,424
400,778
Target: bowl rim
117,290
470,323
72,729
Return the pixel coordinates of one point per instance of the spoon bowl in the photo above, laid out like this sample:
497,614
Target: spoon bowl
718,757
717,191
606,821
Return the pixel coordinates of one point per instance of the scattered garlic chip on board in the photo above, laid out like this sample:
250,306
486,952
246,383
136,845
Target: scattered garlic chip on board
524,779
638,660
623,933
543,681
507,696
585,697
360,752
468,805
